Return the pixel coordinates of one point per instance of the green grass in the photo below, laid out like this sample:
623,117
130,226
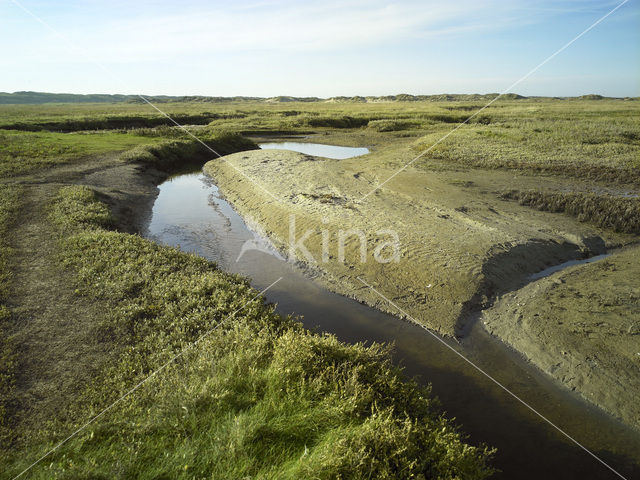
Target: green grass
111,122
167,154
588,138
26,152
259,397
9,204
600,143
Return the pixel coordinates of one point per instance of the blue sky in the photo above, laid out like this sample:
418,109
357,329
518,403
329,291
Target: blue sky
349,47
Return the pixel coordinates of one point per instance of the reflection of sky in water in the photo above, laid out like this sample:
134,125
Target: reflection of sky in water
556,268
317,149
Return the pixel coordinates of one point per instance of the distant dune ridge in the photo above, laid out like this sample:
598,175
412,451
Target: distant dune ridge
27,97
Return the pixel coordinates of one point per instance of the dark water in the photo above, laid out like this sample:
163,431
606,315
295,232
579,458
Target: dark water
189,213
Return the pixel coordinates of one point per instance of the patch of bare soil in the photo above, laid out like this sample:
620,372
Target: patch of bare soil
54,329
582,326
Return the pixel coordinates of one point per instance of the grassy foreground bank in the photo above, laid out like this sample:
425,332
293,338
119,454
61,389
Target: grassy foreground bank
9,202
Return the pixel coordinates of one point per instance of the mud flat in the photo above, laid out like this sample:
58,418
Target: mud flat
460,246
581,326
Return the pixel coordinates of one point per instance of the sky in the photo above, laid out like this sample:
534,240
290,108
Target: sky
328,48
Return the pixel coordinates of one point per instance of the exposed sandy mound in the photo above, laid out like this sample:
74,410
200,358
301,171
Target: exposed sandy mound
458,245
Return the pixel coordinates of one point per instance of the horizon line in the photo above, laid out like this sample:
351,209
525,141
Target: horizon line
261,97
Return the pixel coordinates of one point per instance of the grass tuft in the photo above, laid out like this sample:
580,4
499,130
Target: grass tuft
169,154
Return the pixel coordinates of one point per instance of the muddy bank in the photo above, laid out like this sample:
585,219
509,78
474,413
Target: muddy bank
458,247
581,326
130,189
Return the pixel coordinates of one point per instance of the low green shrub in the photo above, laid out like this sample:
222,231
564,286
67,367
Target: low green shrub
316,121
447,118
392,125
607,211
76,207
170,154
580,146
109,122
459,118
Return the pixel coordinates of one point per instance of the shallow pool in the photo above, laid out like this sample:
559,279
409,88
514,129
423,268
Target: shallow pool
317,149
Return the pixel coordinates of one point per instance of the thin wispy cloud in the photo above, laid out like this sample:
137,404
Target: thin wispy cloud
329,48
280,26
